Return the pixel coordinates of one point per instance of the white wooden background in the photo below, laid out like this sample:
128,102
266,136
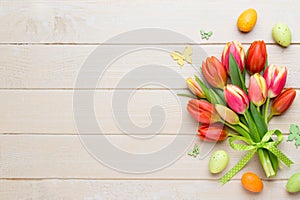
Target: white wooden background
43,45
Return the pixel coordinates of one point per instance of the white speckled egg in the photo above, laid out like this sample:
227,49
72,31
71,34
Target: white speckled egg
282,35
218,161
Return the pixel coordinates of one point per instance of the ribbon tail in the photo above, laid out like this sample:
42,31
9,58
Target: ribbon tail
242,163
280,155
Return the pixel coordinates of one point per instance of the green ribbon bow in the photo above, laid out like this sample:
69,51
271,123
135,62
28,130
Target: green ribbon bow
252,147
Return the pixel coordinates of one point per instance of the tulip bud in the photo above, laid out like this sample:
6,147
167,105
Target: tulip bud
258,90
275,77
227,114
195,88
256,57
202,111
236,99
283,101
237,51
213,132
214,72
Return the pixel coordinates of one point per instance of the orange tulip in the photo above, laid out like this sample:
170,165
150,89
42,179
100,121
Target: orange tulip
212,132
214,72
202,111
283,102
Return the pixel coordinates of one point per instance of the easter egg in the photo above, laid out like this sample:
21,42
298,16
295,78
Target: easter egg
293,184
282,35
247,20
252,182
218,161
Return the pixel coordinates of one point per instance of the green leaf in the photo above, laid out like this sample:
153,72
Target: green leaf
217,99
204,88
266,65
254,132
235,73
220,93
259,120
188,95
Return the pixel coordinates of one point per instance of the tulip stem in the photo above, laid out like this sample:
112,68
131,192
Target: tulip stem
244,126
258,109
246,118
238,129
270,117
267,110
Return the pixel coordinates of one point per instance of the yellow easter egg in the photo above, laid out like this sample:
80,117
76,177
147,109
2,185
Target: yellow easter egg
247,20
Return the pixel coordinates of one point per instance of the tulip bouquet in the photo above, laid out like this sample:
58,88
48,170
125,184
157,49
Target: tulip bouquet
230,109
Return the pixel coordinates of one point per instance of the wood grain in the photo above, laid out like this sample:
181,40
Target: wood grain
55,67
135,189
52,112
39,21
39,157
43,46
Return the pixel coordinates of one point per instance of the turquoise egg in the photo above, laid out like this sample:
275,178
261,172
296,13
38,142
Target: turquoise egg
282,35
218,161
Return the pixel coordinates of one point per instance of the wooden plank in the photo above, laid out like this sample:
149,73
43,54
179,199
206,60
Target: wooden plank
42,66
51,111
38,157
98,189
80,21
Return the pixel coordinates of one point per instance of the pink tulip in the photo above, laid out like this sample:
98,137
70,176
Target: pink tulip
236,99
258,90
237,51
195,88
214,72
275,77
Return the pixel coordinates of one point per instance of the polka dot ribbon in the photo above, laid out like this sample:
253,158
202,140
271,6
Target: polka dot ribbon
252,147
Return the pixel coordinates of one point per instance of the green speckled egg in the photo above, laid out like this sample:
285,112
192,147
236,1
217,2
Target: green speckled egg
282,34
218,161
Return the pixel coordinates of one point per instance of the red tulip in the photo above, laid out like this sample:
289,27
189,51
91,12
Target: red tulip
275,77
195,88
237,51
258,90
213,132
256,57
214,72
236,99
283,102
202,111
